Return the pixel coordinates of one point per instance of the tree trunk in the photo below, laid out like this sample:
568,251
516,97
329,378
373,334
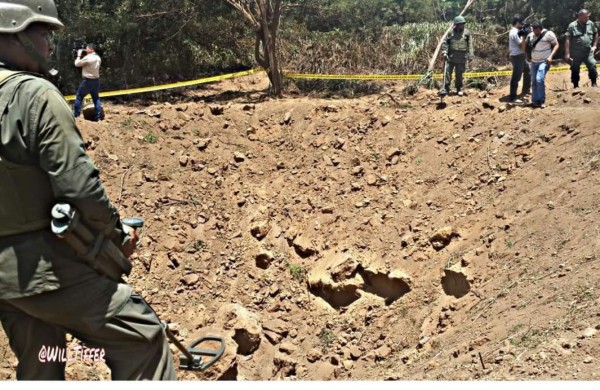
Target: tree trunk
264,16
270,14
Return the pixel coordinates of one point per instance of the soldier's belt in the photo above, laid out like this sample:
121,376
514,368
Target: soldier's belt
97,250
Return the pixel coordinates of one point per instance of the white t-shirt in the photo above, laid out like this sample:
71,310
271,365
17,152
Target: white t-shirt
543,49
90,66
514,42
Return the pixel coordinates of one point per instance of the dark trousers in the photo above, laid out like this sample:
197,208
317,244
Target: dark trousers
129,333
460,68
520,68
589,61
91,86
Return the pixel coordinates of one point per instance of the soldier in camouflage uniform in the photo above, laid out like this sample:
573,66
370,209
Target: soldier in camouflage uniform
580,45
46,289
458,50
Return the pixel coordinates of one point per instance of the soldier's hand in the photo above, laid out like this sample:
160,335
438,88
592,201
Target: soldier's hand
131,243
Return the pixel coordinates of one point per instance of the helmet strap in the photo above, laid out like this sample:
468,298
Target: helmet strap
30,48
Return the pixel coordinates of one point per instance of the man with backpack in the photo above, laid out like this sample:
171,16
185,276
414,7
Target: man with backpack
543,45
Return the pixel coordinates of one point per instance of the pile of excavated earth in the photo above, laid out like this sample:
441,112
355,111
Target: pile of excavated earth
380,237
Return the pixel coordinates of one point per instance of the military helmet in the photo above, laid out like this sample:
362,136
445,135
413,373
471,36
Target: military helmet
17,15
459,20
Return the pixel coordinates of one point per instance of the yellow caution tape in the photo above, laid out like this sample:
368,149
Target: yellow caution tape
307,77
387,76
172,85
353,77
498,73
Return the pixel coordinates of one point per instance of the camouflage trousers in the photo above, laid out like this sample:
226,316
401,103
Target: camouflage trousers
586,58
460,70
119,327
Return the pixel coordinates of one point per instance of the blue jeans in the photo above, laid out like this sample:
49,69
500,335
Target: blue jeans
520,68
91,86
538,82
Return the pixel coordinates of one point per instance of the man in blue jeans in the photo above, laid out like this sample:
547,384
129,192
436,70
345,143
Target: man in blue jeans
543,45
90,72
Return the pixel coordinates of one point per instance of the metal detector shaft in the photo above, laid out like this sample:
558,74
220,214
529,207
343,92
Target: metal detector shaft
191,358
443,92
177,343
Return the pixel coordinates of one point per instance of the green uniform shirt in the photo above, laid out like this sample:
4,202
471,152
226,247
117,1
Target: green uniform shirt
581,37
38,129
459,46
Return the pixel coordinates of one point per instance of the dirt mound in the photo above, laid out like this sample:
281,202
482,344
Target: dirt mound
371,238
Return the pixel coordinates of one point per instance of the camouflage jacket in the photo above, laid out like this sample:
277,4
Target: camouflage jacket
38,135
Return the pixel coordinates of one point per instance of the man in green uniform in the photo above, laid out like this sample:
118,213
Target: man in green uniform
46,290
457,50
580,45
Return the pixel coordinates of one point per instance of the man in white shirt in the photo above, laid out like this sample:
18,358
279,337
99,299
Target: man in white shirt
520,66
544,45
90,72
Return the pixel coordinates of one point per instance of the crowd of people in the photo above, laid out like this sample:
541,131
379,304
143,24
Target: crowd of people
532,50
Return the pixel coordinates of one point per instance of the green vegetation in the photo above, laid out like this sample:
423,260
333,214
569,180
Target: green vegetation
327,337
128,122
531,339
200,245
153,42
298,273
150,138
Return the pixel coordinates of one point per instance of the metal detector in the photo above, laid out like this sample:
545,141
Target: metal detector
443,92
107,259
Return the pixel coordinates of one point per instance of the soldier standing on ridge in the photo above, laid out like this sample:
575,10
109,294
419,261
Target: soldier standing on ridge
457,49
580,45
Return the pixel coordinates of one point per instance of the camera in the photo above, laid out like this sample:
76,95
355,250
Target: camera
79,44
524,30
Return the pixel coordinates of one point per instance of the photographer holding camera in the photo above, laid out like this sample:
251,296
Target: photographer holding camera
90,71
517,34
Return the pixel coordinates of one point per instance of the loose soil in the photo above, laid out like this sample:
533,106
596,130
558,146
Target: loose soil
381,237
